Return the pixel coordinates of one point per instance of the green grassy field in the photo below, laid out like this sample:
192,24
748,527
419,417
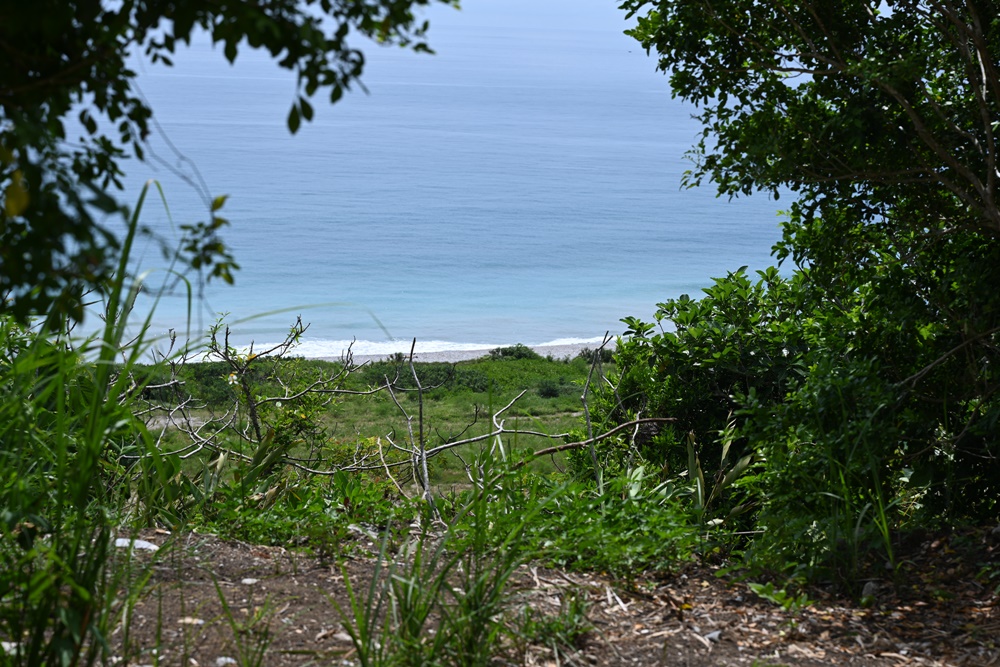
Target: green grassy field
453,402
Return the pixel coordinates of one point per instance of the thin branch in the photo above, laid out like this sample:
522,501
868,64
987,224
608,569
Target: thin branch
586,410
422,450
947,355
590,441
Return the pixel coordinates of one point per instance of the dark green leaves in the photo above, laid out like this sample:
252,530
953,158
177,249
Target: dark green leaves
306,109
300,111
866,387
820,96
230,51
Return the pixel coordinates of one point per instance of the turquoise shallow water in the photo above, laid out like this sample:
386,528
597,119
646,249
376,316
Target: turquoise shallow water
522,185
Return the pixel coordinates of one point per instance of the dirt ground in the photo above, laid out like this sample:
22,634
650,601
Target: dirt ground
942,614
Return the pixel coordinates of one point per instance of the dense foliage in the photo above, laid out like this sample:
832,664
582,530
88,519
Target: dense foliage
66,61
862,385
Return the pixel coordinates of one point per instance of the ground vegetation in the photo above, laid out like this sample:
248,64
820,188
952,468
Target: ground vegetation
291,542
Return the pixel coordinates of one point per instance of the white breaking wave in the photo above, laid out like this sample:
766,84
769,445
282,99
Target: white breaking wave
368,348
337,348
572,341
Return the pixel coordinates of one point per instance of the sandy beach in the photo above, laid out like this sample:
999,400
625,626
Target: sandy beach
451,356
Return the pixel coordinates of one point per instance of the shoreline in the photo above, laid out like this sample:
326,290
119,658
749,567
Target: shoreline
451,356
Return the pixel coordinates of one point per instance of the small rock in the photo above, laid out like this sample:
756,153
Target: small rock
188,620
249,582
715,636
125,543
224,660
870,590
364,530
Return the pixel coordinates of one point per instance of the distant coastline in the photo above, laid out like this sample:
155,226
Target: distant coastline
485,231
557,351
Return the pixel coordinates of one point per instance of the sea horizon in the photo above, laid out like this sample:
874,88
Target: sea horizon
523,185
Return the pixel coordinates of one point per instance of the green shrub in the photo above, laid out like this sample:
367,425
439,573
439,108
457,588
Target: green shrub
549,389
209,382
742,336
604,355
831,414
827,493
635,526
472,379
519,351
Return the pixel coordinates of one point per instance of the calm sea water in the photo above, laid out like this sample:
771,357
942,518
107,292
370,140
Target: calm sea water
522,185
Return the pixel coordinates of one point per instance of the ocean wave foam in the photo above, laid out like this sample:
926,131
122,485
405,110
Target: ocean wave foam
572,341
337,348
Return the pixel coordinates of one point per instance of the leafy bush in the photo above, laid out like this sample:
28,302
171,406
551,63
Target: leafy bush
634,526
210,380
822,390
742,337
472,379
519,351
604,355
305,511
549,389
894,236
826,493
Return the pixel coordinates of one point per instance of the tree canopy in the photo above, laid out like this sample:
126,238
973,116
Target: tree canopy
66,58
881,116
871,104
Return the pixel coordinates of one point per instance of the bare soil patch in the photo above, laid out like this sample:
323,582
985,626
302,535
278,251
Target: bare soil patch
941,615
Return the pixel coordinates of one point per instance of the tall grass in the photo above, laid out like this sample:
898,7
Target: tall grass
65,418
441,600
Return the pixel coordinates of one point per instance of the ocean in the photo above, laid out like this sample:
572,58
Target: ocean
522,185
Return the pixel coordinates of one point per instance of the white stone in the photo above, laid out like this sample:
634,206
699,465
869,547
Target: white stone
126,543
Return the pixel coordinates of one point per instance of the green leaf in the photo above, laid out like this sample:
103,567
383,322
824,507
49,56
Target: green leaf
695,474
307,110
16,196
737,470
88,121
219,202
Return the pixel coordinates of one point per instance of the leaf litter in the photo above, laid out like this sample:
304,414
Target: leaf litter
940,612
